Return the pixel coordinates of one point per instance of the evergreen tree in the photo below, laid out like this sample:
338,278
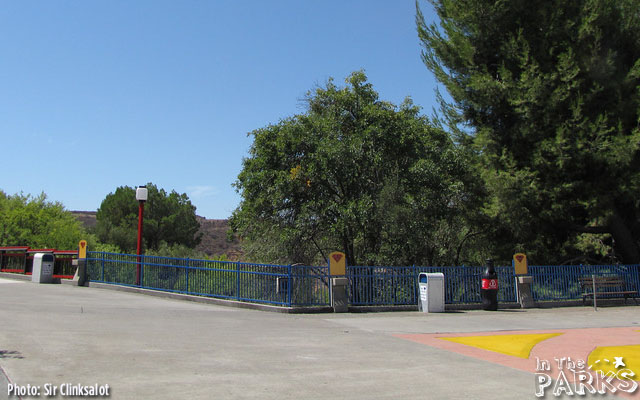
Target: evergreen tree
547,94
169,219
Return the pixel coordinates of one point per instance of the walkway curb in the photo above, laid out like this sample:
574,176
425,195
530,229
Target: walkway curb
312,309
211,300
17,277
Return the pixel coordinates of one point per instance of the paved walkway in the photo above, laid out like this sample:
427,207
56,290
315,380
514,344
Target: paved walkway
148,347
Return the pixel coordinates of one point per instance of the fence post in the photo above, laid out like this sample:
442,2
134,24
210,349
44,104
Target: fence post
513,278
187,276
102,256
593,281
289,270
329,280
414,284
238,282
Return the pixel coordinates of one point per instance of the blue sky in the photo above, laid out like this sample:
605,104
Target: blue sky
100,94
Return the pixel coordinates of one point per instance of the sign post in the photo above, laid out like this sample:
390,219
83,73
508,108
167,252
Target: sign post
523,281
520,263
81,270
82,249
337,270
337,264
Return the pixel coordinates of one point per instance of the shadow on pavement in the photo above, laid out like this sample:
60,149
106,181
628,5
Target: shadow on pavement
10,354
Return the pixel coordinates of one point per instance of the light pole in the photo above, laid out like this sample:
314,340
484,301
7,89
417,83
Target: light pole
141,196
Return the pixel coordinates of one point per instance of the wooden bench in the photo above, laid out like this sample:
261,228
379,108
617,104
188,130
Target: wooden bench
615,285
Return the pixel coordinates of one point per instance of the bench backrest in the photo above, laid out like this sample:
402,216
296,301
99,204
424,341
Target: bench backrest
602,281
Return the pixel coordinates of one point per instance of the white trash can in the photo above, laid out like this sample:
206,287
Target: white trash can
42,271
431,292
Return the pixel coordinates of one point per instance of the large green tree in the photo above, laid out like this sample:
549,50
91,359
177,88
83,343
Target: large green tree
37,222
357,174
547,94
169,219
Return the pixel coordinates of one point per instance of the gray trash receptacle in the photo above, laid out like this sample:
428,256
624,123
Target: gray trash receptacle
431,287
42,271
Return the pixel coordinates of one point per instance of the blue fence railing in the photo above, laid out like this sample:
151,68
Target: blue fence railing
309,286
562,282
262,283
298,285
399,285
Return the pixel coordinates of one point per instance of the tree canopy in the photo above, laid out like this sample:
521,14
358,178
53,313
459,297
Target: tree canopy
169,219
547,95
356,174
37,222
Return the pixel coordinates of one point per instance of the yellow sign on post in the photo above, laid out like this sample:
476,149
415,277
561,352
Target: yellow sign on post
520,263
337,264
82,249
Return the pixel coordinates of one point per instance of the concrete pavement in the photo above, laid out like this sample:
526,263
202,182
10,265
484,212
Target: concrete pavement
148,347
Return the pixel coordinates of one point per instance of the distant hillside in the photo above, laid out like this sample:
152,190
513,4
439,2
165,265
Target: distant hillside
214,238
88,218
214,234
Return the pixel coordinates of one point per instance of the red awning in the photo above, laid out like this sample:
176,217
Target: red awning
41,250
66,252
14,248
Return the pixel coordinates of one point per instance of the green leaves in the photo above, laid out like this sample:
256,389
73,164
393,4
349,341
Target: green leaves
352,173
169,219
550,95
37,222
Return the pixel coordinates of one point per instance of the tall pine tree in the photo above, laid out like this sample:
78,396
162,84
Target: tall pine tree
547,94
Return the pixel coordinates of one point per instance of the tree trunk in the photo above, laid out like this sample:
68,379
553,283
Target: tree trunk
347,244
626,246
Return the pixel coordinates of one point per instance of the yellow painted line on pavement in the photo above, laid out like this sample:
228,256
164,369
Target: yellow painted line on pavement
614,358
511,345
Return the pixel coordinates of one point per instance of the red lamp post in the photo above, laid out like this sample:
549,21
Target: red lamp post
141,196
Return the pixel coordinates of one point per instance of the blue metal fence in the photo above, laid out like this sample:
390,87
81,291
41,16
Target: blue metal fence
309,285
382,285
263,283
463,284
399,285
298,285
562,282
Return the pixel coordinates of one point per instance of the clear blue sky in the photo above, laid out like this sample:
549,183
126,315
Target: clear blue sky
100,94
